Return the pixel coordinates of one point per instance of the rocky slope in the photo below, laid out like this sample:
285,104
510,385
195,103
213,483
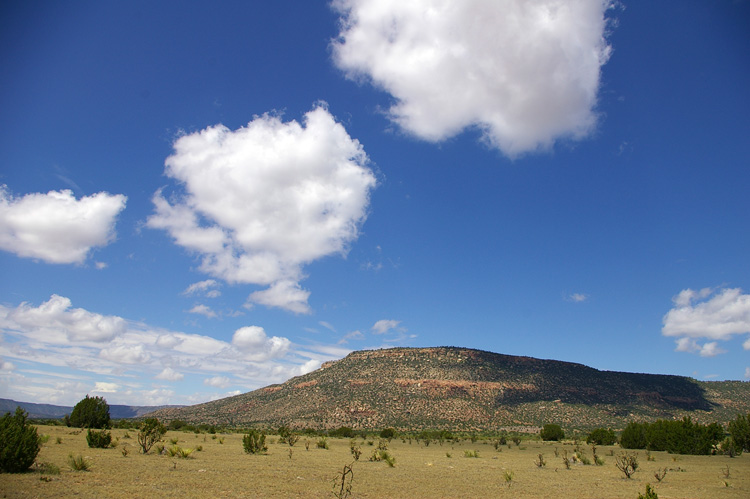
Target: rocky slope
468,390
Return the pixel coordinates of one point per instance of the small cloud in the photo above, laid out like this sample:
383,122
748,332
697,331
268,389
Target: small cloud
6,367
205,310
102,387
577,297
169,374
285,294
747,373
354,335
385,325
327,325
101,265
203,287
217,381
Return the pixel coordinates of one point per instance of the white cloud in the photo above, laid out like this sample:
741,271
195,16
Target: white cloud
577,297
58,340
256,345
203,287
55,321
354,335
262,201
385,325
126,354
169,374
747,373
201,309
285,294
707,314
55,227
103,387
525,73
217,381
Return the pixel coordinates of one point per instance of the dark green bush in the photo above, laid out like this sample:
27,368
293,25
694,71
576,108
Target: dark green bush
19,442
634,436
254,442
600,436
98,439
90,412
342,432
388,433
552,432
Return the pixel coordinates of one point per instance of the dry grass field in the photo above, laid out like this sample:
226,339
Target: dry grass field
222,469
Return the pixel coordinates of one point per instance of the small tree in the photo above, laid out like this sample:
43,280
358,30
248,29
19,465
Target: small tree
90,412
254,442
19,442
388,433
150,432
552,432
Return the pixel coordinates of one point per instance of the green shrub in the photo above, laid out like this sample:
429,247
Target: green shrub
150,432
552,432
322,443
342,432
19,442
600,436
254,442
471,453
650,493
98,439
90,412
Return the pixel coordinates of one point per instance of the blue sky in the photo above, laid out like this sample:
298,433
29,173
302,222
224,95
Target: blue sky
203,199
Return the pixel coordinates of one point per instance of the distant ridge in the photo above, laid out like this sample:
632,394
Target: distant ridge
466,389
48,411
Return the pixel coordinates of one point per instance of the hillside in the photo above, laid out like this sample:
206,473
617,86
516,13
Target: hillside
465,389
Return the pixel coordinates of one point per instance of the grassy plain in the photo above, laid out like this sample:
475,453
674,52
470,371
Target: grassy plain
222,469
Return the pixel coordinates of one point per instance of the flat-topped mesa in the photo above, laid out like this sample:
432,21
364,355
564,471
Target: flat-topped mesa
464,389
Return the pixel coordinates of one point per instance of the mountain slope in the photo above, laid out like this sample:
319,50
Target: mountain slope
465,389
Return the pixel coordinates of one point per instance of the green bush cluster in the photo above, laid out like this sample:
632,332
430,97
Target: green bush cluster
19,442
678,437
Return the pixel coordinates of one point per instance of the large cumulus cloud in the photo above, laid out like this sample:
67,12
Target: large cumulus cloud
525,72
262,201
